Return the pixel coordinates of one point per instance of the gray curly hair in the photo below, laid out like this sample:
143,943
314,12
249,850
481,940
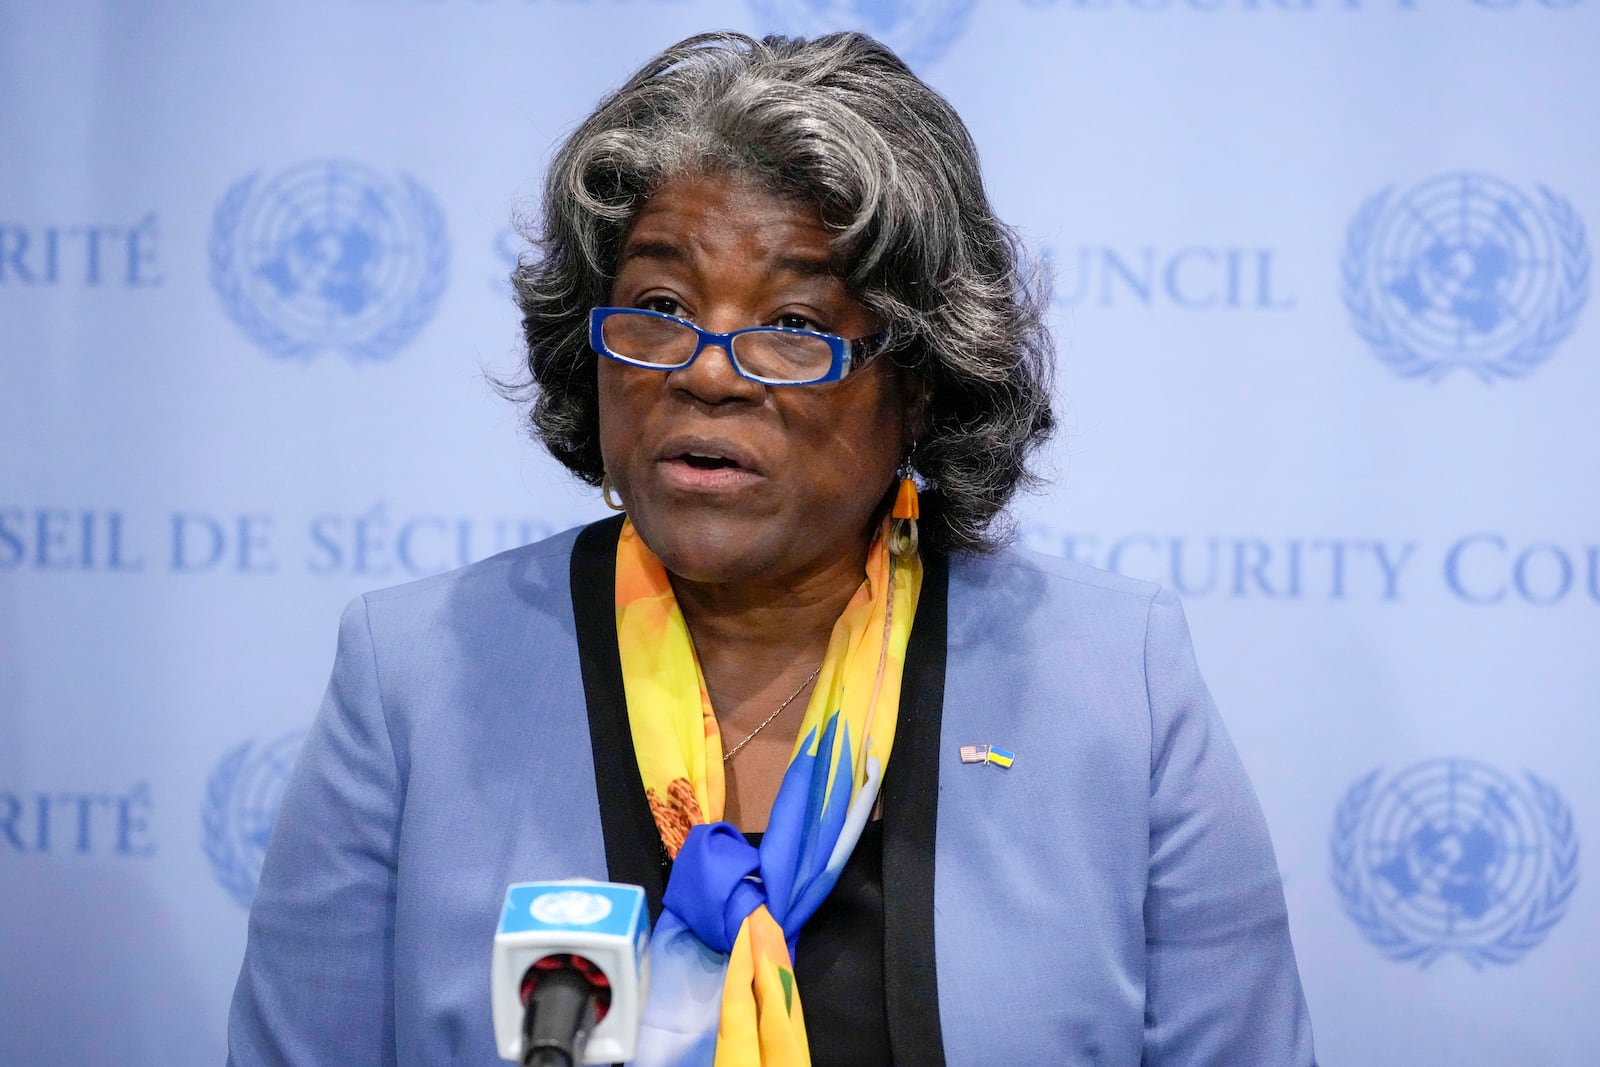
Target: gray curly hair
841,122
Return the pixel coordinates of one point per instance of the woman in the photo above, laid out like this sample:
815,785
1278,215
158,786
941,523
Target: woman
895,794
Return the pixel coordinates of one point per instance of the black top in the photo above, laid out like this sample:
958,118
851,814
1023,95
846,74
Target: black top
898,956
838,964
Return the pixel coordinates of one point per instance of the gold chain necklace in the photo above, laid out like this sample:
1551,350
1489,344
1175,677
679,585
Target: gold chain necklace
728,755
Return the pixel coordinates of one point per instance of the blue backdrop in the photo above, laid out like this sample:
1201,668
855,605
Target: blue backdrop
1327,363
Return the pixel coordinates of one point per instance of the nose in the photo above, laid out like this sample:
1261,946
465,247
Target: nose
712,379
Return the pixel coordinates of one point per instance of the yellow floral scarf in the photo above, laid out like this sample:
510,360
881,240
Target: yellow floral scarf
722,987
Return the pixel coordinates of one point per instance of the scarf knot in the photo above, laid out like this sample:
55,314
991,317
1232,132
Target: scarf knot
715,883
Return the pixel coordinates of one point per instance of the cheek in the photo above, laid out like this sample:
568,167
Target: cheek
859,459
616,414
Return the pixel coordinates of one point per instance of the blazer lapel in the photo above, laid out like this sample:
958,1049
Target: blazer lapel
634,852
910,816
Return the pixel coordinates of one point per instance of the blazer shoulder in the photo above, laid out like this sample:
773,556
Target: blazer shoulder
543,566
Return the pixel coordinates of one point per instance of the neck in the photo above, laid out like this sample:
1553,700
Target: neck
754,635
759,642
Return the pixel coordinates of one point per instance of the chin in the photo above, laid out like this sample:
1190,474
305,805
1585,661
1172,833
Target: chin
712,550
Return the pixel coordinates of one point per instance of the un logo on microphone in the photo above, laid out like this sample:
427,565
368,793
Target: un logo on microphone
329,255
919,31
242,799
1465,271
1454,856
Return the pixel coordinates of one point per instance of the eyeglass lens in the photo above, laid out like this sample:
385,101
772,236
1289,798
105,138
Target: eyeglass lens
767,354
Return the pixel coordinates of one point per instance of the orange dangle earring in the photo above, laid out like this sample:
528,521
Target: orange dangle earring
907,510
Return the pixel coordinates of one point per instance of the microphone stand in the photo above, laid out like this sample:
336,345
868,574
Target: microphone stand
561,1013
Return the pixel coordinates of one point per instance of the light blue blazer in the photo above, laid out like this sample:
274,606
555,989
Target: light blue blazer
1110,900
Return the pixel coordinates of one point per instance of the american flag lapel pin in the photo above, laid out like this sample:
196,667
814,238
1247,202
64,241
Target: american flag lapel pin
987,754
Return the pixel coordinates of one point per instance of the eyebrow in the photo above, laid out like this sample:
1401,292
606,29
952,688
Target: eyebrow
667,252
804,266
662,250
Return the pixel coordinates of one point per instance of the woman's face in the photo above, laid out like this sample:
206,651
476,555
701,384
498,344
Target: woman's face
726,479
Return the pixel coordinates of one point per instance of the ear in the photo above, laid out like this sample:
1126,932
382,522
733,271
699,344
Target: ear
915,399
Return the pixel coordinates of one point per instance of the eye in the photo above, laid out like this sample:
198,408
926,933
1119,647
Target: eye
793,321
665,305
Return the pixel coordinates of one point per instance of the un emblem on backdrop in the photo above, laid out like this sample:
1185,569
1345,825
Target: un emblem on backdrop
1452,855
919,31
242,798
1465,271
329,255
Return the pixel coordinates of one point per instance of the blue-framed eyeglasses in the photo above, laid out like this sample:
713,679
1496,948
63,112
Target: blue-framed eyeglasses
771,355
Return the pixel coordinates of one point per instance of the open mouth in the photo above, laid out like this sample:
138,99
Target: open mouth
707,463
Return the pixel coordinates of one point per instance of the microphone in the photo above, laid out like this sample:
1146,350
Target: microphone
569,973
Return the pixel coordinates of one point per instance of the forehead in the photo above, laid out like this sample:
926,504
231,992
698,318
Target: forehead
698,216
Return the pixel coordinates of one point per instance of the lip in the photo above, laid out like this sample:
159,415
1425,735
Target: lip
681,474
684,444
